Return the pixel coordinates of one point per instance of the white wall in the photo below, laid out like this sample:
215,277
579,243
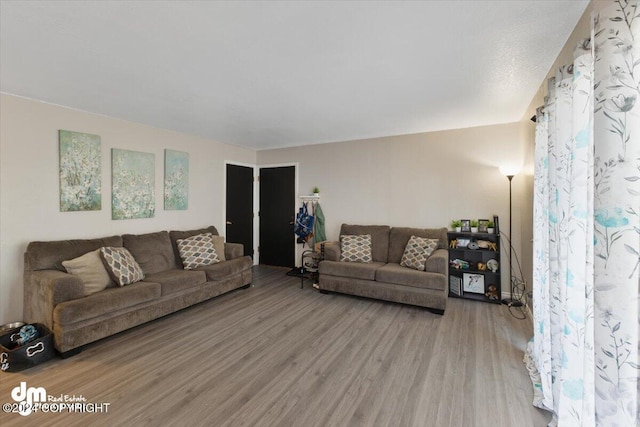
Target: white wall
581,31
420,180
29,196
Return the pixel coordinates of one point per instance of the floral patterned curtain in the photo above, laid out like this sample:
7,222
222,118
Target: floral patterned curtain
583,358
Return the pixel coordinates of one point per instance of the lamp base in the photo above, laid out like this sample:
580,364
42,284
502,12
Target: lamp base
512,303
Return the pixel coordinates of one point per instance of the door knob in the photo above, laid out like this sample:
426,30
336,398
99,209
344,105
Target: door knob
229,223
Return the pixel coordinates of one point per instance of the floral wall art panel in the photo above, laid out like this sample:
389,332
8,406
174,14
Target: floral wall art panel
176,180
80,171
132,184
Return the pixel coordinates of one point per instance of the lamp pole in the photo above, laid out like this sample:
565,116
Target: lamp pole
511,302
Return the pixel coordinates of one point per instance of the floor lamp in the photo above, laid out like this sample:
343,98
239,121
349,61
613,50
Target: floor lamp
510,172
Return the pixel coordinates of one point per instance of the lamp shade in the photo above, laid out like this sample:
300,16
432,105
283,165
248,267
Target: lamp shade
509,170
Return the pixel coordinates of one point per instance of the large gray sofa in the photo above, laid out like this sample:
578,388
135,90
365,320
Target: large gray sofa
57,299
385,278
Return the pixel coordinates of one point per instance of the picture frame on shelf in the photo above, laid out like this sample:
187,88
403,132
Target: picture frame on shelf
473,283
483,225
455,285
463,243
466,225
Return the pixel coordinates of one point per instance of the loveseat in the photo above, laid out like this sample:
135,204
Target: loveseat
384,277
58,299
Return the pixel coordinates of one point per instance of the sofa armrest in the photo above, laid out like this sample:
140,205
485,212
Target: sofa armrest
233,250
438,262
332,252
44,289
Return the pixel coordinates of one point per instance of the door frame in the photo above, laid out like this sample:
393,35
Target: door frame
296,166
256,201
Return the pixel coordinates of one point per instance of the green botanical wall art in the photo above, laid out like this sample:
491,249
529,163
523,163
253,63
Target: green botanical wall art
80,171
176,180
132,184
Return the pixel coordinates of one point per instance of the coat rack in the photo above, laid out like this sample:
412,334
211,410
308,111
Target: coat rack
311,198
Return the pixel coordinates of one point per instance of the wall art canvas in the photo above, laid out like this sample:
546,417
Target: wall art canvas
132,184
176,180
80,171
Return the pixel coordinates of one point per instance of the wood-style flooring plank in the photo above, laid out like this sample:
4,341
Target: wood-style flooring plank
278,355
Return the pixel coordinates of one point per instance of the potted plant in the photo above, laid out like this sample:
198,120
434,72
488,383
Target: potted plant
456,225
316,191
491,227
474,225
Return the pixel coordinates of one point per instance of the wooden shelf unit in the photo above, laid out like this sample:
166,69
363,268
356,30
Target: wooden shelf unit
478,280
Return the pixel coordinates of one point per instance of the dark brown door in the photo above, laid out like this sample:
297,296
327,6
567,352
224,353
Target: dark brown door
277,212
239,227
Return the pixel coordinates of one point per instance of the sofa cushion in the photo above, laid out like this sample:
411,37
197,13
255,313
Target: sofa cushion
379,238
123,267
197,251
396,274
224,269
105,302
153,251
438,262
332,252
90,269
232,250
352,270
399,236
172,281
355,248
49,255
175,235
417,251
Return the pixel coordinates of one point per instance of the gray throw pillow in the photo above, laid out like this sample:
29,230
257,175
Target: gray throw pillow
197,251
122,265
356,248
417,251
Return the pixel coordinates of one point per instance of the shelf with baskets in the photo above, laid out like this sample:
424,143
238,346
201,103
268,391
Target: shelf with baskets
474,266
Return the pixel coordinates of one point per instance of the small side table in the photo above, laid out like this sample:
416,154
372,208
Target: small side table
303,273
309,269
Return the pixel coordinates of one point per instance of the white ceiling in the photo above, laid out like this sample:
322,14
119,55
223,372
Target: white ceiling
276,74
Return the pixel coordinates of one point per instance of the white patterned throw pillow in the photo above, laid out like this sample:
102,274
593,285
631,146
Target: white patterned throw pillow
122,265
197,251
355,248
417,251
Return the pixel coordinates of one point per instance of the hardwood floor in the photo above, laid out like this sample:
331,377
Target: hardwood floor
276,355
